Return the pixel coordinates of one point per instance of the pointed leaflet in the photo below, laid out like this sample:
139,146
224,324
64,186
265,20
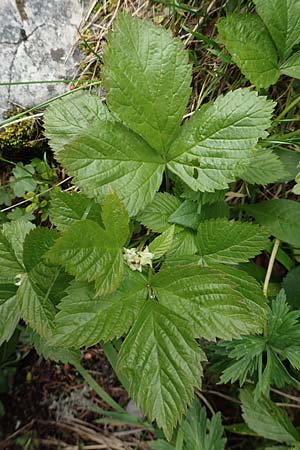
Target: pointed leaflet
251,47
109,155
292,66
86,320
221,136
160,245
282,18
162,362
68,117
156,215
229,242
264,166
57,354
216,304
68,208
16,233
267,419
148,79
91,253
9,311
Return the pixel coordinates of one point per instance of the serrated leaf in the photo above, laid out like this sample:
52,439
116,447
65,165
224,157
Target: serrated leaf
162,362
107,155
156,214
186,215
16,233
292,66
221,137
161,445
86,320
229,242
148,79
160,245
290,284
264,167
23,180
282,18
9,265
200,433
9,311
251,47
68,208
115,218
216,304
57,354
280,216
267,419
66,118
290,160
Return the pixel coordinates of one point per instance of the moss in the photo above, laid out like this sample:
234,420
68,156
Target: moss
17,135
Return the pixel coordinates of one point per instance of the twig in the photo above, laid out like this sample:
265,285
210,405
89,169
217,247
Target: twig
270,266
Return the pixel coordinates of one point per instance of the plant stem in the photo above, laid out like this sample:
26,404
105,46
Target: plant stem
112,356
95,386
270,266
286,110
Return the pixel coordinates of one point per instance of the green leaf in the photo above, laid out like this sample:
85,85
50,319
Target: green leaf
148,79
85,320
156,214
69,208
216,304
292,66
229,242
23,180
161,445
91,253
221,136
267,419
251,47
16,233
57,354
290,284
9,311
107,155
282,18
264,167
280,217
200,432
67,117
186,215
9,265
162,362
160,245
290,160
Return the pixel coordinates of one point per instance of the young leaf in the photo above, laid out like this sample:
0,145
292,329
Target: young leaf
291,67
251,47
85,320
229,242
9,311
162,362
67,117
107,155
281,217
282,18
160,245
90,253
69,208
148,78
214,303
221,136
267,419
200,432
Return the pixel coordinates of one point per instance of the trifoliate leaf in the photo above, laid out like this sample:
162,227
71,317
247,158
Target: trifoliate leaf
229,242
9,311
201,433
107,155
267,419
213,302
67,117
281,217
186,215
251,47
264,167
156,214
91,253
292,66
86,320
221,136
282,18
57,354
67,208
148,79
160,245
162,362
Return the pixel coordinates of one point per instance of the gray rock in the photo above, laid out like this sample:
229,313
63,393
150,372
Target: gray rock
36,38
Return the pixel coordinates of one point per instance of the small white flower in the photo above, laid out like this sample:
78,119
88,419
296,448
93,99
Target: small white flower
19,279
146,257
136,259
